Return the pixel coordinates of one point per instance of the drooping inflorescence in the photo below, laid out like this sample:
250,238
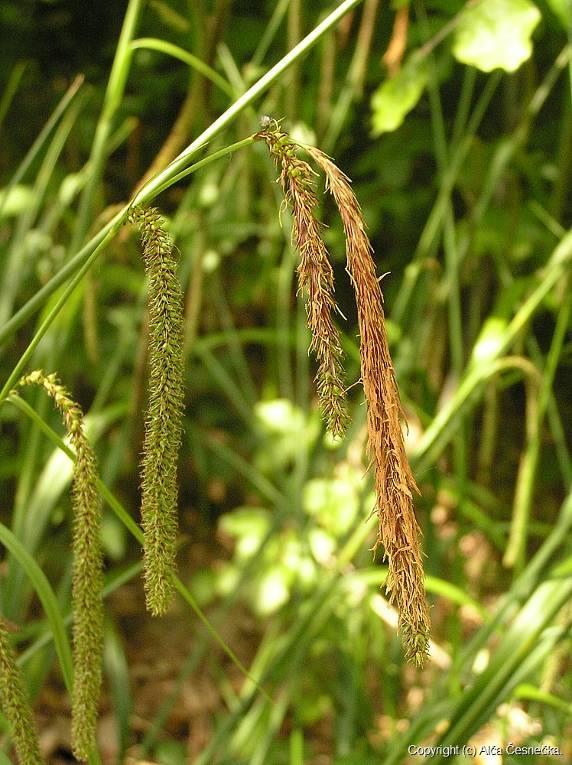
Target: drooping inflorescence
16,706
315,275
159,501
87,580
398,529
395,486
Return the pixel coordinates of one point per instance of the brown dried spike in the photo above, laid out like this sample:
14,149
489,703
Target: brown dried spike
394,483
315,276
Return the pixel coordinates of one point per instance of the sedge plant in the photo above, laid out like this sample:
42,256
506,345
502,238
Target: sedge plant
427,300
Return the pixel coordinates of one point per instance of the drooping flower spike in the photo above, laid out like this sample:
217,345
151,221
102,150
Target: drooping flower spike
87,579
159,501
315,275
398,531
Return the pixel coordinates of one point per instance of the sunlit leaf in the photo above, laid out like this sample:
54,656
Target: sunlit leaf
395,97
15,200
171,753
248,525
322,545
228,577
496,34
490,340
273,590
203,585
113,537
279,416
311,707
333,503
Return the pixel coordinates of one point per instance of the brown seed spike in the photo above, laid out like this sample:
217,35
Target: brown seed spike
315,275
394,483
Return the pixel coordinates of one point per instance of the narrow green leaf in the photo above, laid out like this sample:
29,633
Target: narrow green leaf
117,673
47,597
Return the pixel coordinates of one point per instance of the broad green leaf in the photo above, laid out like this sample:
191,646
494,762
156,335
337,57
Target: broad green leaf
496,34
395,98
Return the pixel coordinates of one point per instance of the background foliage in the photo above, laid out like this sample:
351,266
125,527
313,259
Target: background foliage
454,122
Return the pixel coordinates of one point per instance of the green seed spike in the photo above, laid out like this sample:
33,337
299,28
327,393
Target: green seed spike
163,424
87,580
15,705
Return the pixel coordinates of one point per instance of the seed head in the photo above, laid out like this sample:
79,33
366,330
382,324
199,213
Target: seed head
159,501
315,275
87,579
16,705
398,530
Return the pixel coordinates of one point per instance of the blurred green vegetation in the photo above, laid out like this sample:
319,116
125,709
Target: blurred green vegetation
454,122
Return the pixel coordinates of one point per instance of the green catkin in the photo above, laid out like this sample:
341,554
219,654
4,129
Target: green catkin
163,423
15,705
87,579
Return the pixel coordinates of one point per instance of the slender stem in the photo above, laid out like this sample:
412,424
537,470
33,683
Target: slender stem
326,82
434,439
358,68
150,43
193,168
11,89
266,39
450,245
292,82
245,100
172,173
113,98
353,85
524,493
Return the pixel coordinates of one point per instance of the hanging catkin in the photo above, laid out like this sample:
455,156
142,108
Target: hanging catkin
315,275
87,579
394,483
159,499
16,706
398,530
